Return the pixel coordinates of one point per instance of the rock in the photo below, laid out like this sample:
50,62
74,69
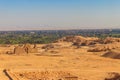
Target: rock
113,76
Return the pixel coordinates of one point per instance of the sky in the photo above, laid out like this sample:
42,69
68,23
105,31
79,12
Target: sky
59,14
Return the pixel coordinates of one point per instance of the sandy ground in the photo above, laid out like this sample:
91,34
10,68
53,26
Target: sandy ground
85,65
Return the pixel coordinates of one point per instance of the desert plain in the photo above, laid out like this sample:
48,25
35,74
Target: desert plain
69,58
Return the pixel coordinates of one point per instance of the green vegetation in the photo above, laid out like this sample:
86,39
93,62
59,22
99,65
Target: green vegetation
48,36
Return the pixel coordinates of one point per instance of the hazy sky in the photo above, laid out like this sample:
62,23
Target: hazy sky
59,14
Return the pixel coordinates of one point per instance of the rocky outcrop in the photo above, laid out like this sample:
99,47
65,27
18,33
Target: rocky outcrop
111,54
105,47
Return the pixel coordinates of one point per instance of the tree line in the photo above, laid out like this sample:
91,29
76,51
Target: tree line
48,36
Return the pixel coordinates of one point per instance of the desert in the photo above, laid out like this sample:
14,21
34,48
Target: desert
59,39
68,58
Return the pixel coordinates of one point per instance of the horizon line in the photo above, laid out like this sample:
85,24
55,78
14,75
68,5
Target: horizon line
61,29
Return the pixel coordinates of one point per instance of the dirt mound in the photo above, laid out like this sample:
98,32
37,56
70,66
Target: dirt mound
113,76
71,39
5,45
51,46
79,40
19,50
105,47
111,54
29,49
47,75
48,46
83,43
9,52
110,40
25,49
86,41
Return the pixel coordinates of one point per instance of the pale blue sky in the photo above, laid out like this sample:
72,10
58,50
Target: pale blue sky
59,14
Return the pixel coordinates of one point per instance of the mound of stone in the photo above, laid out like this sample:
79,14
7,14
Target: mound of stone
46,75
48,46
111,54
113,76
51,46
79,40
110,40
27,48
9,52
83,43
19,50
71,39
105,47
88,40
